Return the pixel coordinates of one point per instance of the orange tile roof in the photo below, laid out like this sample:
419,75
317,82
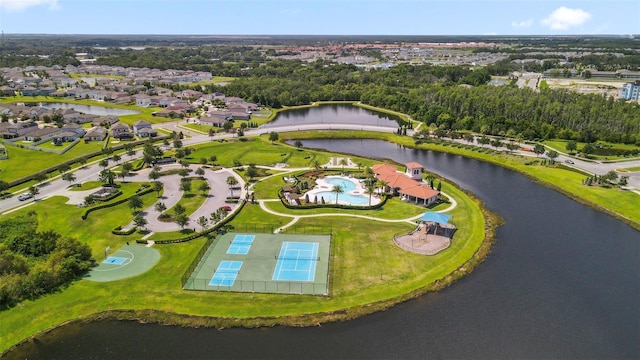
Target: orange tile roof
383,169
407,186
414,164
420,191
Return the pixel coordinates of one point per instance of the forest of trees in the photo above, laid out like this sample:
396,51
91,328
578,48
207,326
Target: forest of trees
433,95
35,263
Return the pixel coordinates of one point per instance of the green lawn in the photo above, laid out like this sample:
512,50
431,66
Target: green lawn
23,162
366,268
629,169
191,200
561,146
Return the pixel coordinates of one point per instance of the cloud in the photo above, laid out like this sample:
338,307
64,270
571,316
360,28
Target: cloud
563,18
21,5
522,24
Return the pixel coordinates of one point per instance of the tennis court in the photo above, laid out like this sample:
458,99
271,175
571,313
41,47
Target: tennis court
264,262
297,261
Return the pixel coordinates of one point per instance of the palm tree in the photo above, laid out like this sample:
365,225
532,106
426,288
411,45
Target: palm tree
383,185
344,163
338,190
160,207
370,189
232,181
157,187
316,165
107,176
33,190
430,177
69,177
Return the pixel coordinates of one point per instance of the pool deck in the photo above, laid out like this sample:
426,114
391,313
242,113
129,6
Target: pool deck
323,185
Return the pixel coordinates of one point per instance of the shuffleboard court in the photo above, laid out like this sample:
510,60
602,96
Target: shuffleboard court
266,267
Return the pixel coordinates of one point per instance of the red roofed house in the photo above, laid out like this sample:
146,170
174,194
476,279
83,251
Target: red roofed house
409,184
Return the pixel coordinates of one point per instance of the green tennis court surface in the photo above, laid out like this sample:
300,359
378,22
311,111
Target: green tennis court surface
127,261
267,263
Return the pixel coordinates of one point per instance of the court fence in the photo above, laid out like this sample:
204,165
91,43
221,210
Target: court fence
271,228
196,260
279,287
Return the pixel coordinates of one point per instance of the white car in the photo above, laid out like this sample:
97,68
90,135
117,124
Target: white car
568,161
25,196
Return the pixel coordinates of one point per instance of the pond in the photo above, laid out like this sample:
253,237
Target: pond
90,109
333,114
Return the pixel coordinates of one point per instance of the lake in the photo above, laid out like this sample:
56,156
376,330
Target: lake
561,281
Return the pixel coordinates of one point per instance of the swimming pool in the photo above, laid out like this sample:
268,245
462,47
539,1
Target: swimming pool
353,192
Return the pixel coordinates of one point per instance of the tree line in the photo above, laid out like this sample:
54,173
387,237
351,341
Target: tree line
438,95
35,263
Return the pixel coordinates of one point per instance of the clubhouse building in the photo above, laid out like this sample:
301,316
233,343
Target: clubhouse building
408,184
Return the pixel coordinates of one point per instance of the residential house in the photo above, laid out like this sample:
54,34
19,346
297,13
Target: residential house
105,120
70,132
142,100
96,133
189,94
42,134
7,91
19,129
240,116
143,128
29,91
121,131
212,121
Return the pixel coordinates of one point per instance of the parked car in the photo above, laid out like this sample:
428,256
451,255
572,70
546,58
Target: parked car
568,161
226,208
25,196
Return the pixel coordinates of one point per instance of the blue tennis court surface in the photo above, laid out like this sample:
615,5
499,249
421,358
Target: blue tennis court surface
226,273
115,260
241,244
297,261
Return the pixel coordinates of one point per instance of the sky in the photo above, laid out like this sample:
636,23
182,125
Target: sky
321,17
